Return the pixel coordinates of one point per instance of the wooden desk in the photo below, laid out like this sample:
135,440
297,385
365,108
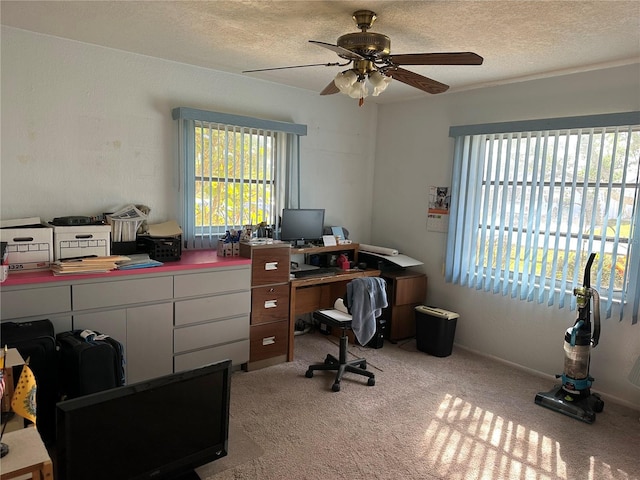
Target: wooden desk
27,455
309,294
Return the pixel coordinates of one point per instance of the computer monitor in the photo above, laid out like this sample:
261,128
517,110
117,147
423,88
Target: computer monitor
301,225
156,429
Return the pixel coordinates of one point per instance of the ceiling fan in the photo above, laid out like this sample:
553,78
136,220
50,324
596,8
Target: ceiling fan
369,55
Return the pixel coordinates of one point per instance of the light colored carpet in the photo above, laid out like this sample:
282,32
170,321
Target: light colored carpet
458,417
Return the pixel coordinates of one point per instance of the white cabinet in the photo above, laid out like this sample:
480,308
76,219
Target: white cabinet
212,321
166,321
122,292
145,333
36,303
109,322
149,335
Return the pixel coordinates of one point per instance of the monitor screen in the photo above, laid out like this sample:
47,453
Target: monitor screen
301,224
156,429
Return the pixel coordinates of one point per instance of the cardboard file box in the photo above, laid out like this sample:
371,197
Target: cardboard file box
230,249
82,241
30,247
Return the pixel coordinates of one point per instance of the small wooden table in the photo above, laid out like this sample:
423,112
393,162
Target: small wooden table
27,455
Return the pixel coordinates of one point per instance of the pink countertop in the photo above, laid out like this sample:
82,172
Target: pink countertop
189,260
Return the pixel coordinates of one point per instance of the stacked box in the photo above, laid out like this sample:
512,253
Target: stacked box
30,247
229,249
82,241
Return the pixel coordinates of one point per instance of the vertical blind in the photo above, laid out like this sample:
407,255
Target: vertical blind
235,171
531,200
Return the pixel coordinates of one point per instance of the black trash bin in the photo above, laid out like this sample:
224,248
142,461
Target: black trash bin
435,330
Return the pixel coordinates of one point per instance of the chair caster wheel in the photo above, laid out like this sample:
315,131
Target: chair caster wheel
309,374
363,365
335,387
371,382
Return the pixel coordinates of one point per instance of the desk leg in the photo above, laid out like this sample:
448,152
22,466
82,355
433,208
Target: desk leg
292,321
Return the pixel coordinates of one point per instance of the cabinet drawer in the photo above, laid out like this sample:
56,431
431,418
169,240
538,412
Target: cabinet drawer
269,340
122,292
269,304
35,301
410,290
210,283
270,265
210,308
237,352
209,334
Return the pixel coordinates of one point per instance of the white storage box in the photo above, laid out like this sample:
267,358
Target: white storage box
81,241
30,247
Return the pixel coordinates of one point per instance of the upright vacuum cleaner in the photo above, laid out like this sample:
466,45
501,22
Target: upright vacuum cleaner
574,397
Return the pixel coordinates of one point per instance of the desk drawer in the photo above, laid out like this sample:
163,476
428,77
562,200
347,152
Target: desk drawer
221,280
34,301
269,304
409,290
121,292
237,352
199,310
270,265
209,334
269,340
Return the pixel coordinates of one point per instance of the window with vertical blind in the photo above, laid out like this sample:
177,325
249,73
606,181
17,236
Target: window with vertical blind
235,170
531,200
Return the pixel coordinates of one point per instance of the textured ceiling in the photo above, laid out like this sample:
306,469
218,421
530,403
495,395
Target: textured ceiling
518,39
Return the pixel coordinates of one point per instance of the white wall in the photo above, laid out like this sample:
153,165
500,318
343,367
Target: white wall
414,152
86,129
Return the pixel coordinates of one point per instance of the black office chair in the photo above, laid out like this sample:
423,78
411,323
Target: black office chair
372,291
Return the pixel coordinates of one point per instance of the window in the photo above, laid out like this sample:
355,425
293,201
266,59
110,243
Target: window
531,200
236,171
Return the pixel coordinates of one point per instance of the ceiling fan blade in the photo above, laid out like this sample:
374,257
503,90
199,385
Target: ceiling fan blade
330,89
454,58
418,81
343,52
335,64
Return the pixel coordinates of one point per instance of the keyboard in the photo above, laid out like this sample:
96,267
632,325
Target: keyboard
318,272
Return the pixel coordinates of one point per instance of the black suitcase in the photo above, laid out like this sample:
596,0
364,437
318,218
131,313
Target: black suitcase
89,362
36,341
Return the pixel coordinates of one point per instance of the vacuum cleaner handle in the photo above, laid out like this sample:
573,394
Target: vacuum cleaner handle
587,271
595,296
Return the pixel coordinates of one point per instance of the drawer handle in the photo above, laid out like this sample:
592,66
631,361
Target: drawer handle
268,340
271,266
84,236
270,303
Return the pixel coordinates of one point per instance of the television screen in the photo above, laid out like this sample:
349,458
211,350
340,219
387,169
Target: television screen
156,429
301,224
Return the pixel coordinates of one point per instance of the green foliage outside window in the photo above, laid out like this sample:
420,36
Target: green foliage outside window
234,172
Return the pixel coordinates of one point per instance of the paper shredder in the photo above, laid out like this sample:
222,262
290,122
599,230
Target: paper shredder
435,330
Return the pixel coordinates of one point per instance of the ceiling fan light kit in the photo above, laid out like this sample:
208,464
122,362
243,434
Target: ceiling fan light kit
370,56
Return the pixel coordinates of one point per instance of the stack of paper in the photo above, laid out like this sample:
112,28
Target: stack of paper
138,260
125,223
85,265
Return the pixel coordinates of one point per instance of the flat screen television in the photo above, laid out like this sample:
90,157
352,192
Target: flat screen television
157,429
301,225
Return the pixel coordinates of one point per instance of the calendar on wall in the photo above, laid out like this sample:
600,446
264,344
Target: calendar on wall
438,210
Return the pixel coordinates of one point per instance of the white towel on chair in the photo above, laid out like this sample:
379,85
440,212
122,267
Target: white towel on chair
366,297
